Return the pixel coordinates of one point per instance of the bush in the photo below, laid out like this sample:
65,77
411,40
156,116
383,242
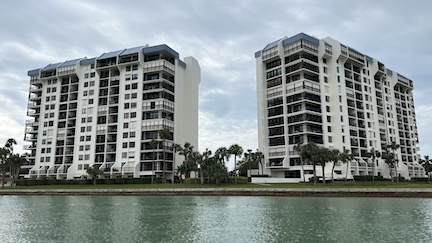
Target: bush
260,176
240,180
192,181
419,179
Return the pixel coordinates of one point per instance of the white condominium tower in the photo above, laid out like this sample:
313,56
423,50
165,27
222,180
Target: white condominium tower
324,92
105,111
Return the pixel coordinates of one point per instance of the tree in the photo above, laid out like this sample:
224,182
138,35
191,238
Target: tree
374,154
345,157
389,158
427,165
222,154
15,162
259,158
153,144
334,157
186,151
176,148
307,152
235,150
164,134
393,147
94,172
5,153
298,148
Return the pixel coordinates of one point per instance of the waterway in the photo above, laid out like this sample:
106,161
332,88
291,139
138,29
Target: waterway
213,219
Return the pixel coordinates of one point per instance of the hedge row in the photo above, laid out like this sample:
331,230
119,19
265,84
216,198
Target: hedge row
377,178
33,182
231,180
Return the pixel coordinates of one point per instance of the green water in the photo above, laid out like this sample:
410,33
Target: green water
213,219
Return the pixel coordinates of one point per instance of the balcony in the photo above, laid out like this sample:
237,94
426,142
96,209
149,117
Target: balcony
159,65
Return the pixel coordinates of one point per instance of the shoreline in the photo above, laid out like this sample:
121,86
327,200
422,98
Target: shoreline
288,192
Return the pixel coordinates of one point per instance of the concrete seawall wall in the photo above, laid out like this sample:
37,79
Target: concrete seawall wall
314,192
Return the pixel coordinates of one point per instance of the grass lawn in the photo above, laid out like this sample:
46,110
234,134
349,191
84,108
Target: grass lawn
369,184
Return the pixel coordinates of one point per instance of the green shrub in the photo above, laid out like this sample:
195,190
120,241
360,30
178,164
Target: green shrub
260,176
192,181
240,180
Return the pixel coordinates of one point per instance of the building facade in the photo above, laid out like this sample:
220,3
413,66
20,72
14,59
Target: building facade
105,111
324,92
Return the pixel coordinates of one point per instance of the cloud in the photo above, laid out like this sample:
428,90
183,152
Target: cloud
223,36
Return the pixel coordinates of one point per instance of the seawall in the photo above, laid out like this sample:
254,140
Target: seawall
312,192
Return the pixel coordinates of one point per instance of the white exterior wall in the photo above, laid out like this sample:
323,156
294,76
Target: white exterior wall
127,159
376,129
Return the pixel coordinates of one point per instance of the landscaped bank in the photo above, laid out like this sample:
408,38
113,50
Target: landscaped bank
316,192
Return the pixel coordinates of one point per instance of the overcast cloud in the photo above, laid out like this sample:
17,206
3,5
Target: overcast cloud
222,35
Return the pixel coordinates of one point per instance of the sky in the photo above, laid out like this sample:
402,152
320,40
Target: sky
223,36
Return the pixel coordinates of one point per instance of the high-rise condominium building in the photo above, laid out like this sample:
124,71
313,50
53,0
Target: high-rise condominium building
327,93
105,111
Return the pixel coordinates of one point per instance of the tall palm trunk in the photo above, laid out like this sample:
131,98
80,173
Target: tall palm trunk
391,173
346,172
314,171
235,169
323,173
163,165
302,167
153,160
373,169
334,164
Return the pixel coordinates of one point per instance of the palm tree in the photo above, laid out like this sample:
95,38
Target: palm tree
15,162
308,151
222,154
393,147
374,154
334,157
259,158
346,157
298,148
94,172
153,144
389,158
5,153
427,165
176,148
186,151
235,150
164,134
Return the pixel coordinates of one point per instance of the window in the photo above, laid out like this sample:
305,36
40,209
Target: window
127,96
134,76
92,75
328,108
134,95
83,120
127,87
81,138
125,125
86,84
132,134
87,157
81,148
87,147
86,76
89,128
327,98
82,129
126,105
134,85
126,115
90,101
325,69
133,105
131,144
133,114
329,129
124,145
124,155
125,135
88,138
324,60
330,139
325,80
92,83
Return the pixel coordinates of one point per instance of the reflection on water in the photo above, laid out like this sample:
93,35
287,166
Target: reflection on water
213,219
